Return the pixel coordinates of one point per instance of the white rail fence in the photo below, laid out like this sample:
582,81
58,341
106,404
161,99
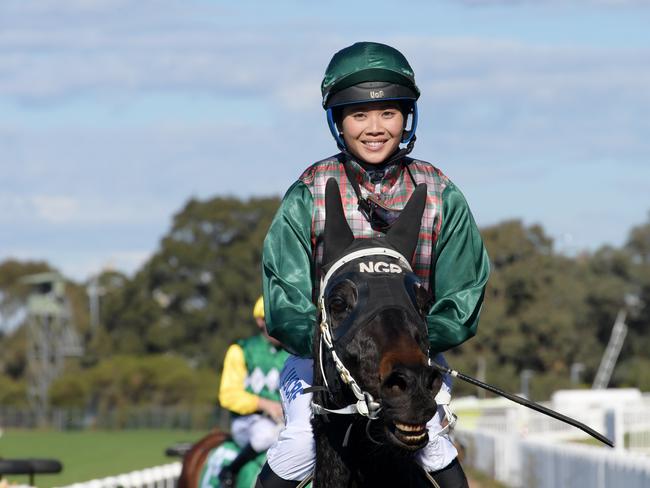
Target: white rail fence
624,419
519,447
164,476
636,427
519,463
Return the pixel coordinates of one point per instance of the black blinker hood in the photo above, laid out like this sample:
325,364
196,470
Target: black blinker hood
382,283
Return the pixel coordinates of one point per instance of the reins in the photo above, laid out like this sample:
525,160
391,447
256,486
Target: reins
525,402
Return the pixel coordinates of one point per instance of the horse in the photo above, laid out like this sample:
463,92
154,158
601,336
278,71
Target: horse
374,386
194,459
203,461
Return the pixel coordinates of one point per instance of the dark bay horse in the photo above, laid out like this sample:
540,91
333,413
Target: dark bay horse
374,387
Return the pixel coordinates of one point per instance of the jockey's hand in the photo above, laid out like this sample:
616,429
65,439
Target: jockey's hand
272,409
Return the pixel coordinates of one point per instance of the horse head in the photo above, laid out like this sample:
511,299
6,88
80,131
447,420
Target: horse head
373,349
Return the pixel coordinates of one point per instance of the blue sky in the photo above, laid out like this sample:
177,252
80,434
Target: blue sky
113,113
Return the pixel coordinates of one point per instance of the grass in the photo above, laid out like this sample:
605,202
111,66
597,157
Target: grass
86,455
480,480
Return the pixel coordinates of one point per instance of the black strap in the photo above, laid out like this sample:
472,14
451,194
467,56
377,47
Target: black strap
248,453
313,388
451,476
268,479
364,207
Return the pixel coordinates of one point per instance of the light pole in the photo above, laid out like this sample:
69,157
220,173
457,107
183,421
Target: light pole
525,376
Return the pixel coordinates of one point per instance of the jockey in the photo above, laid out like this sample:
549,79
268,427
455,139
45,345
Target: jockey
370,98
249,389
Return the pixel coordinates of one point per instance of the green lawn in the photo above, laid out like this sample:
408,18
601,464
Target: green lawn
91,454
480,480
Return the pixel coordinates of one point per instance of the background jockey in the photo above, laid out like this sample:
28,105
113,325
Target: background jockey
369,94
249,389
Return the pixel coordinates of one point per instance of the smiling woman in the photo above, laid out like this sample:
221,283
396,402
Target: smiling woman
370,98
373,132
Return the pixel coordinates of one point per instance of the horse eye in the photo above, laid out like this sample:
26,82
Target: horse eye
338,305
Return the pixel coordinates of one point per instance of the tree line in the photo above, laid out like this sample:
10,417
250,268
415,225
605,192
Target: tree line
162,333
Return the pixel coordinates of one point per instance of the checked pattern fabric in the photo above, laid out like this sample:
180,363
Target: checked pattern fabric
394,189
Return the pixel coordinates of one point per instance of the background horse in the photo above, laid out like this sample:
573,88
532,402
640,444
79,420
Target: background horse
194,459
371,355
203,461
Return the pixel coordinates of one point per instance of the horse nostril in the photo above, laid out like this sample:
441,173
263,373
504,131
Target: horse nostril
395,383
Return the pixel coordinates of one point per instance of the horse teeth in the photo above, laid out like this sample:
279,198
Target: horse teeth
409,428
414,438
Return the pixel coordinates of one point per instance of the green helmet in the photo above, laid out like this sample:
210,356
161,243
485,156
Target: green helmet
368,71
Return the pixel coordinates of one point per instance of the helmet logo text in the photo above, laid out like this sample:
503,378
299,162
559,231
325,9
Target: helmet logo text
377,94
379,267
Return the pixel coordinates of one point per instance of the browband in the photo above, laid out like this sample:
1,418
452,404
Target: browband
371,251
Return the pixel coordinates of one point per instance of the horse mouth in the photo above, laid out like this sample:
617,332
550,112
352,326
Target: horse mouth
409,436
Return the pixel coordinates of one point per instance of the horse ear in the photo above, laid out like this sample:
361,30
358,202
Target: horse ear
404,233
337,235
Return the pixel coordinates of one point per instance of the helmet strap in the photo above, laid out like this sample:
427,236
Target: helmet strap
409,134
331,123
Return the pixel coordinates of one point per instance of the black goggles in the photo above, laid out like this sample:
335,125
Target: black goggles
379,216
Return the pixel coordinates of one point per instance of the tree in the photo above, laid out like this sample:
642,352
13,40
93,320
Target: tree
638,243
637,344
538,312
195,295
162,334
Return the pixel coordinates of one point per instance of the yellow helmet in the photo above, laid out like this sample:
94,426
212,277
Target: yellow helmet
258,309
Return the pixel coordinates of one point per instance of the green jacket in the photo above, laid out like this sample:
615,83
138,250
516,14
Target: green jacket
451,259
264,362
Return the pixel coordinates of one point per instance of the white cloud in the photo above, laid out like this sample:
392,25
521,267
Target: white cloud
83,155
81,50
128,261
79,264
588,101
468,83
55,209
59,210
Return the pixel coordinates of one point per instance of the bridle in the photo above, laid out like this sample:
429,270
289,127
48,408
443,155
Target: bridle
366,405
